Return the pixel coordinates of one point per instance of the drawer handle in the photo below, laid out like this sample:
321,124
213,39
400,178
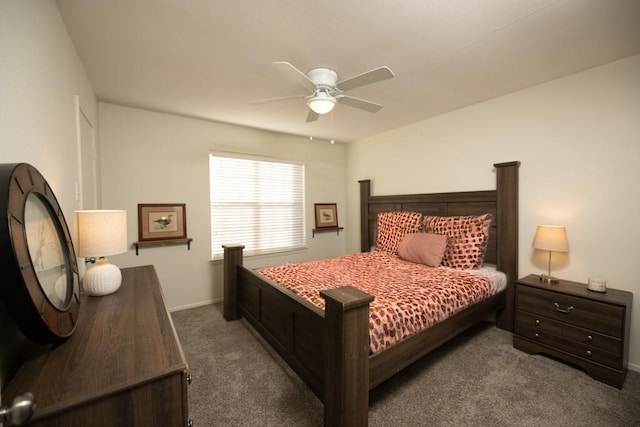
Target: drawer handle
589,353
20,411
537,322
589,338
563,310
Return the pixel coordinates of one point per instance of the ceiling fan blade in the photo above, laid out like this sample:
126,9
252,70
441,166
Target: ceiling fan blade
312,116
366,78
280,98
300,77
362,104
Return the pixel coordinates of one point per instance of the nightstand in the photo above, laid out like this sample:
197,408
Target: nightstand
585,328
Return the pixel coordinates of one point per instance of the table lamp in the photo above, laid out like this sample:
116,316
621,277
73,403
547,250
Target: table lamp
100,233
552,238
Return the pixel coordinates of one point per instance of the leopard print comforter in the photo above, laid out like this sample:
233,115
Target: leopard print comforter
409,297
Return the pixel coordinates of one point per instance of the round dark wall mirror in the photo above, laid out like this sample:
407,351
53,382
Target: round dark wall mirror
48,255
40,275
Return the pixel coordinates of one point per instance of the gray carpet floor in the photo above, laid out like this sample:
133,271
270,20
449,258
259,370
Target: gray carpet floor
477,379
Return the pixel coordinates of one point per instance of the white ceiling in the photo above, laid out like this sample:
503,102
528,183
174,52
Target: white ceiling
211,58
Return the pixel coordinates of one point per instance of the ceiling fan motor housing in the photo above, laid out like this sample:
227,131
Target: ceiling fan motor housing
323,76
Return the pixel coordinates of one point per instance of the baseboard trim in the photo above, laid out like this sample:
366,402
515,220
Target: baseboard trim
194,305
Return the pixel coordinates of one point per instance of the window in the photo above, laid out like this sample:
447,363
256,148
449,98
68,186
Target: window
256,202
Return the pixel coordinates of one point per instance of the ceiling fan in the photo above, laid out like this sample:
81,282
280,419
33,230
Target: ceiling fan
325,91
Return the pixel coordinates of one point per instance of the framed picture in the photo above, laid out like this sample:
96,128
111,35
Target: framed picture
162,221
326,215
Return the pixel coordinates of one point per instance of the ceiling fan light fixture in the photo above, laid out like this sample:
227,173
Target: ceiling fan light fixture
321,103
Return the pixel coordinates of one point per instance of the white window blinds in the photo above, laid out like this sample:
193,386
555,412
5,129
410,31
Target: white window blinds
256,202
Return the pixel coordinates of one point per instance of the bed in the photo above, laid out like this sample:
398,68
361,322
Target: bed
330,349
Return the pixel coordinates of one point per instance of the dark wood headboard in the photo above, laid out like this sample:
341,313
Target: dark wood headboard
501,203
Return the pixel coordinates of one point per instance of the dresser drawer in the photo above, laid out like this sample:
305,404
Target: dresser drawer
581,312
580,342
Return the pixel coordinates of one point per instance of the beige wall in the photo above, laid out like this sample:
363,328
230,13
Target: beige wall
40,79
150,157
578,139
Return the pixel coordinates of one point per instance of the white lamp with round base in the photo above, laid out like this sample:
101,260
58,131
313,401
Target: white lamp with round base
100,233
102,278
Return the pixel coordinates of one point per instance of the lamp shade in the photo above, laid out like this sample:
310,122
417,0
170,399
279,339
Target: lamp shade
321,103
100,233
551,238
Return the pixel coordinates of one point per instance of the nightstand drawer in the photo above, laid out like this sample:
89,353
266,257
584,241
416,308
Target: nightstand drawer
580,342
581,312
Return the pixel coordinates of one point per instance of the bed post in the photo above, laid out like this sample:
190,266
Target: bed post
232,260
365,192
507,228
346,361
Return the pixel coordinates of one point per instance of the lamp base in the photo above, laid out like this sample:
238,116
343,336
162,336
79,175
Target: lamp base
548,279
102,279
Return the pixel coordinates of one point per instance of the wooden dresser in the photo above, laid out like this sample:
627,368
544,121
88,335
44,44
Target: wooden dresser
567,321
123,365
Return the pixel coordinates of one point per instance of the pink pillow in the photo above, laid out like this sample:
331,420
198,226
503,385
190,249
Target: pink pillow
468,238
392,227
423,248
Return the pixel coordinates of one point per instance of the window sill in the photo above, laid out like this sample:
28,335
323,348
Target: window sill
263,255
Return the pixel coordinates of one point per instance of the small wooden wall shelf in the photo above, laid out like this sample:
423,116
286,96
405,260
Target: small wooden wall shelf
152,243
324,230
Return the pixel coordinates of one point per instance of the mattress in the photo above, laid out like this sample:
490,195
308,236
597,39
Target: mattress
408,297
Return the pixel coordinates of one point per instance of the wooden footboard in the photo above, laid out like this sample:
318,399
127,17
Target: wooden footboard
334,365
